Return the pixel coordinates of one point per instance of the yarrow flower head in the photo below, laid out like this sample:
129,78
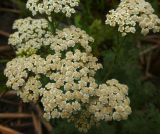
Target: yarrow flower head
69,38
49,7
33,34
19,79
29,35
71,89
58,69
112,102
109,102
133,13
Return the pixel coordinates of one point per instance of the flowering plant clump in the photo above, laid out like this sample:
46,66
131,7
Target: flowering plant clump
131,13
58,69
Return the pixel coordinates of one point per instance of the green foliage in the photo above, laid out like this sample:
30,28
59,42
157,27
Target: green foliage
67,128
21,4
146,121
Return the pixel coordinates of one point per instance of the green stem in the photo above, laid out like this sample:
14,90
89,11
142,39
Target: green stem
117,50
52,24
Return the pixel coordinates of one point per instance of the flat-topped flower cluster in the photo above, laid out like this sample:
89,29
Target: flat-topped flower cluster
132,13
58,70
49,7
32,34
29,35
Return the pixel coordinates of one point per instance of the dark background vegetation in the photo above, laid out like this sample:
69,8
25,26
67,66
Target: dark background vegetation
137,65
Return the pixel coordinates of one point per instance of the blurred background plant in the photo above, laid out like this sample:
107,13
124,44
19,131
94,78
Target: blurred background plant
136,65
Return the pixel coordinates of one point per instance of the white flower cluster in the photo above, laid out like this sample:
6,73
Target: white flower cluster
109,102
131,13
112,102
73,84
29,35
18,72
30,90
32,34
52,6
71,90
63,79
70,81
70,37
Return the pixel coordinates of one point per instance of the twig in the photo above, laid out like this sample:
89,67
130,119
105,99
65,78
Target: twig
8,94
46,124
20,109
23,125
151,38
4,48
9,10
37,124
4,33
148,50
15,115
8,102
6,130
